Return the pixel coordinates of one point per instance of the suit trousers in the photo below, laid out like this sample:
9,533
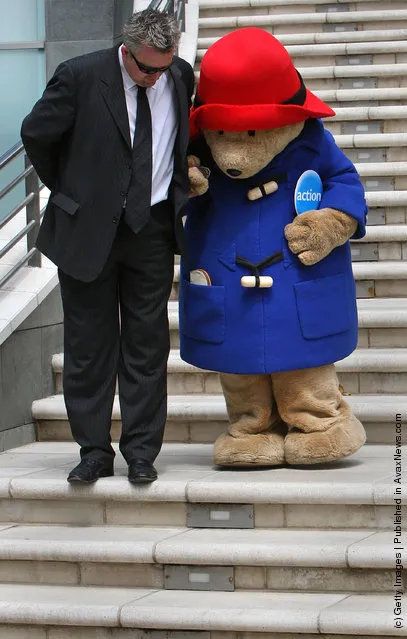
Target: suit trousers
116,328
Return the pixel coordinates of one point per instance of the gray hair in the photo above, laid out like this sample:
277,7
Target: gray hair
152,28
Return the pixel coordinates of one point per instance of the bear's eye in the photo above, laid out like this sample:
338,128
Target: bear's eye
252,133
221,132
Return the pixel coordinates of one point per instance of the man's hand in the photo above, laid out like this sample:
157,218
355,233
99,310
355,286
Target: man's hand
314,234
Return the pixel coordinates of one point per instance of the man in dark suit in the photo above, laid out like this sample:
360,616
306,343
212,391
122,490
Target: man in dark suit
112,226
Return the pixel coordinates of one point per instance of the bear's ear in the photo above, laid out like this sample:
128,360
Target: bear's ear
251,133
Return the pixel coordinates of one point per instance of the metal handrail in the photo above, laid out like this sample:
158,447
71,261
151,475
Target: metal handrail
175,8
12,153
31,203
16,181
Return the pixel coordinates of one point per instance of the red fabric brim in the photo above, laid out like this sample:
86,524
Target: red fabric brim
232,117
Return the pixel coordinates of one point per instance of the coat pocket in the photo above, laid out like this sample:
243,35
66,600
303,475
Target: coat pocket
325,306
202,312
65,203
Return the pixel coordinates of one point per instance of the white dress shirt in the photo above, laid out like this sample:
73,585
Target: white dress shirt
162,100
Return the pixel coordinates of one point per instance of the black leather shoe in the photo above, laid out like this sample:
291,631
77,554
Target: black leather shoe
141,472
89,470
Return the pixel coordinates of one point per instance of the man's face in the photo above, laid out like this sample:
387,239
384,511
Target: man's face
145,65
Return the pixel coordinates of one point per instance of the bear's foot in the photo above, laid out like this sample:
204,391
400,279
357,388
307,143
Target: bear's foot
341,440
263,449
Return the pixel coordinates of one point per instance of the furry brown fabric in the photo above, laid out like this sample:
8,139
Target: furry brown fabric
341,440
324,428
263,449
250,404
310,399
313,235
309,402
246,152
256,432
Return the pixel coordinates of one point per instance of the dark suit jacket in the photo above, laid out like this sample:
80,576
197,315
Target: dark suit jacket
77,137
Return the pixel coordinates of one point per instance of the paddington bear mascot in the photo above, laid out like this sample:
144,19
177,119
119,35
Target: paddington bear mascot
267,295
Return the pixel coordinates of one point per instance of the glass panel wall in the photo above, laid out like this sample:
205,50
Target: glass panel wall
22,78
22,20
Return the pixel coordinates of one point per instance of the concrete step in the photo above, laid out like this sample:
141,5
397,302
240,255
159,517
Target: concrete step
376,175
297,6
347,37
380,279
365,114
373,147
385,279
194,418
362,93
295,22
352,77
166,558
371,140
354,493
366,371
384,233
382,323
84,610
381,243
59,632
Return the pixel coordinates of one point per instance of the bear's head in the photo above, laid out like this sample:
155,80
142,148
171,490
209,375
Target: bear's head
250,103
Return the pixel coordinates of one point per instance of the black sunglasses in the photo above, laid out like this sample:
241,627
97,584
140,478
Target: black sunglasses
146,69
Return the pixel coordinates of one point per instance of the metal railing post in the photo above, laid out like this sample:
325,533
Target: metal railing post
32,185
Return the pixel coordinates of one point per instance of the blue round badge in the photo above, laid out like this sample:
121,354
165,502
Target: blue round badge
308,192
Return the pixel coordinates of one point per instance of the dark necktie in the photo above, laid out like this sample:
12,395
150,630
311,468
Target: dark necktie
139,195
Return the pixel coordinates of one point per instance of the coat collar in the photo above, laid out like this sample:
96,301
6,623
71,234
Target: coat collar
111,83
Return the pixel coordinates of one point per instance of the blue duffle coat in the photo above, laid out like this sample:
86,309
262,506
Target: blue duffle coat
308,317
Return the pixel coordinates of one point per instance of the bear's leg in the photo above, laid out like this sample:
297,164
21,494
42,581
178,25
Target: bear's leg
256,433
323,425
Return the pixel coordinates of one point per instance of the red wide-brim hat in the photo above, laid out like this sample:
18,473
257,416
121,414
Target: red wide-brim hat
248,82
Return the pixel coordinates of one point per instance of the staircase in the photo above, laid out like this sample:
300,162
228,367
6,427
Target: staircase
287,553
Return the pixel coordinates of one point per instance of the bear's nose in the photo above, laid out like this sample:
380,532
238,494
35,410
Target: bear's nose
233,172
